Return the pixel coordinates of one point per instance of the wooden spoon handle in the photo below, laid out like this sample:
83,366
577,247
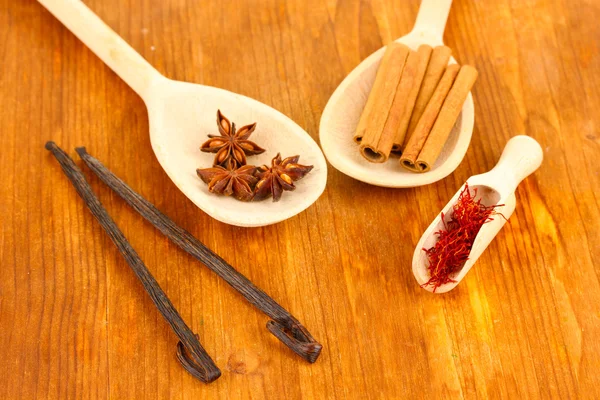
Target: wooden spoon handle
432,18
105,43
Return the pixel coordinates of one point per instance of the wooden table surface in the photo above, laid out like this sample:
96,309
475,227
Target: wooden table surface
75,322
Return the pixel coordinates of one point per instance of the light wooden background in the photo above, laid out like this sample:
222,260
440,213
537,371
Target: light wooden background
75,323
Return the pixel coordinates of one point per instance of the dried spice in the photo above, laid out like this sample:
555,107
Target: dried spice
451,251
190,352
239,182
279,177
230,175
283,325
231,146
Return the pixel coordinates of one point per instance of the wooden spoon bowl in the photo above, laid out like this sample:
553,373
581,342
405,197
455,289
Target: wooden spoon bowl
181,114
343,110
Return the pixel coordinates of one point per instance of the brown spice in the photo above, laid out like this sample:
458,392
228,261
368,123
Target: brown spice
279,177
239,182
406,95
190,352
447,117
378,85
375,146
419,136
283,325
440,56
231,146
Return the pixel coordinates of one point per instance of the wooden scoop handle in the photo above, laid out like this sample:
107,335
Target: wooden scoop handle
520,158
432,18
105,43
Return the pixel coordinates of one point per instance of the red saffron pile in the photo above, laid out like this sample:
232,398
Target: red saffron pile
451,251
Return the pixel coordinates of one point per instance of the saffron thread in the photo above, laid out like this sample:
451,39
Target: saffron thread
451,251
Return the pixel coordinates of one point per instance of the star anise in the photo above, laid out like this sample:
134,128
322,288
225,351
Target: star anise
279,177
240,182
231,146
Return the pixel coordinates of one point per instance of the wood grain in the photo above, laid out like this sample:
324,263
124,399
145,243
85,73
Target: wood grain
75,323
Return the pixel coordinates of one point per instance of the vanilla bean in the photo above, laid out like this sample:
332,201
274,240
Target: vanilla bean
190,352
284,326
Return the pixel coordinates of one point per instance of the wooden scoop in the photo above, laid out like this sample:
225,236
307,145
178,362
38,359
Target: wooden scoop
181,114
520,158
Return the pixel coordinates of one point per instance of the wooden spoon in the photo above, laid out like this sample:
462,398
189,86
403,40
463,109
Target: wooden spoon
345,106
181,114
520,158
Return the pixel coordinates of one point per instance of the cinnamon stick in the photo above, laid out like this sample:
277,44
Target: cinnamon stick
425,124
438,62
376,147
406,95
447,117
396,113
380,80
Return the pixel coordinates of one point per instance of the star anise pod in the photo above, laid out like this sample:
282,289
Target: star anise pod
279,177
239,182
231,146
